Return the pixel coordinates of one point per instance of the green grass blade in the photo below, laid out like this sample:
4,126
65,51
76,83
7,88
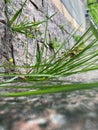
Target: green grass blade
53,89
17,13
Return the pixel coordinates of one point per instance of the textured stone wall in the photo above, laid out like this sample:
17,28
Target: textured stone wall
15,45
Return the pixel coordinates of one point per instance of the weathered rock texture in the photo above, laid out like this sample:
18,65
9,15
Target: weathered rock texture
15,45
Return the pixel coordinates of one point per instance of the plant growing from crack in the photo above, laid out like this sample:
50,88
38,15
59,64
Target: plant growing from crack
44,72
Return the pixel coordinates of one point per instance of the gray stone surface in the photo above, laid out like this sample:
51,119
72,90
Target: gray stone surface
76,110
86,77
33,11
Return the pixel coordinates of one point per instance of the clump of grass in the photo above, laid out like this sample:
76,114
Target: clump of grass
81,57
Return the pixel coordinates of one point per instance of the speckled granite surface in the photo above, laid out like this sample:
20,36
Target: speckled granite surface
76,110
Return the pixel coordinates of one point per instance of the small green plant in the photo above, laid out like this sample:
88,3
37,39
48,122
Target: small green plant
54,43
76,37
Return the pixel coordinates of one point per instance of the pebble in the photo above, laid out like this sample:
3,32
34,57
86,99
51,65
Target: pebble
58,119
92,115
2,70
2,128
40,121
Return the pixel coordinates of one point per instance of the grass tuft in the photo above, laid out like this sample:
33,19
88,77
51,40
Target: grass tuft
80,58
